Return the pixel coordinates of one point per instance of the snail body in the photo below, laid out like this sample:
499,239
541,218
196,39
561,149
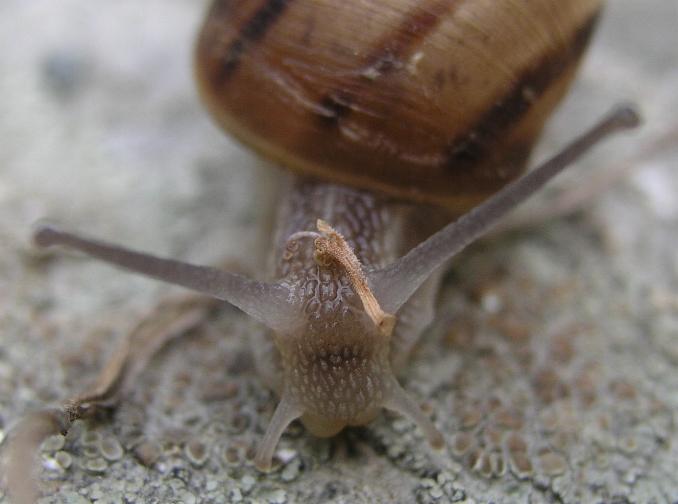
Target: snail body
395,117
438,103
334,361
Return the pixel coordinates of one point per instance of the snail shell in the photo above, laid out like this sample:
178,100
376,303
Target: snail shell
438,101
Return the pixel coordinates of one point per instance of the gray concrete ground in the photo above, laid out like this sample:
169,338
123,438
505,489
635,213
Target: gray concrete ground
552,368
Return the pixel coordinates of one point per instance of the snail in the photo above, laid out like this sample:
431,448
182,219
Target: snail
396,117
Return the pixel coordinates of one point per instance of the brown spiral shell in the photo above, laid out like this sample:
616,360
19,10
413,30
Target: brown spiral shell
438,101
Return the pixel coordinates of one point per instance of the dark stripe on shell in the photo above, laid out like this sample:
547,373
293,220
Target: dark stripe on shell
391,51
389,54
478,144
252,32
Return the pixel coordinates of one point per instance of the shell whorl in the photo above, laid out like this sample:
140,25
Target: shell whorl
437,101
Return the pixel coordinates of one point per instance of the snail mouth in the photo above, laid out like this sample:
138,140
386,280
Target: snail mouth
323,427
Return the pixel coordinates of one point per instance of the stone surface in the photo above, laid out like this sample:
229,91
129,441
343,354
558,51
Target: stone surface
552,368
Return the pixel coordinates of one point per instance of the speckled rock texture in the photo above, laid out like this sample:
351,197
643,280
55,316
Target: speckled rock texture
552,368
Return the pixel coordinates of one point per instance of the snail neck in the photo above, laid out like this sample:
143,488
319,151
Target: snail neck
378,228
374,229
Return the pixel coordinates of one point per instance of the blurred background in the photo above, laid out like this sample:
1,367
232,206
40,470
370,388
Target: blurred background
101,128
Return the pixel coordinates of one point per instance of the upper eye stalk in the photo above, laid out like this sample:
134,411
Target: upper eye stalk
392,285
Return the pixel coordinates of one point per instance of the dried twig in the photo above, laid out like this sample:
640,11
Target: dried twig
331,246
169,320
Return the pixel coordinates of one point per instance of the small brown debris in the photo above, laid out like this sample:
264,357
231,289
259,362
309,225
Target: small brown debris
471,417
251,452
549,420
513,329
219,391
473,460
461,443
623,390
548,385
553,464
147,452
508,419
493,437
239,422
460,334
521,465
231,455
586,388
515,443
562,347
628,444
196,452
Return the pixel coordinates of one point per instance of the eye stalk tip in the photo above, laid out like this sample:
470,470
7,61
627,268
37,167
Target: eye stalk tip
627,115
45,233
